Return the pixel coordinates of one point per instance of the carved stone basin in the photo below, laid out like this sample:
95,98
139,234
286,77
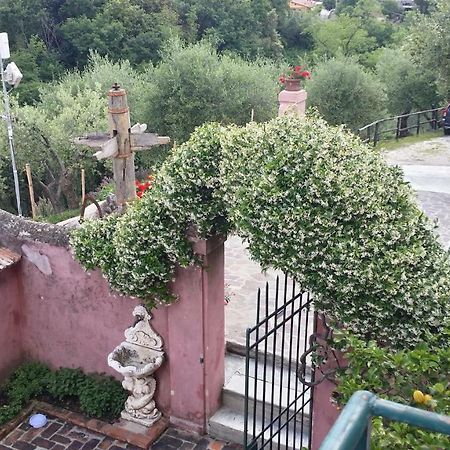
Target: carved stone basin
132,360
137,358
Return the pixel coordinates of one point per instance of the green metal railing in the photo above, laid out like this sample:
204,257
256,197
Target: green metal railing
352,429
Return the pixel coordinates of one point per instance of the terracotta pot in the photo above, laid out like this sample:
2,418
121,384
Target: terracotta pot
292,84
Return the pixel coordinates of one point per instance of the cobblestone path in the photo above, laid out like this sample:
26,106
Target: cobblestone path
62,435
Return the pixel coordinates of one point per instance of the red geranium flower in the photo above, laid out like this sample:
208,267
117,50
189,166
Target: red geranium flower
144,185
305,74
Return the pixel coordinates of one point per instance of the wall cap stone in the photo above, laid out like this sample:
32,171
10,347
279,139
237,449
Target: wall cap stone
15,230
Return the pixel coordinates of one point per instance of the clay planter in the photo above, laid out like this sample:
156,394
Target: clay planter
292,84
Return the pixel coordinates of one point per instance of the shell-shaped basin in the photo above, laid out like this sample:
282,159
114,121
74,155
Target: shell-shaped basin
133,360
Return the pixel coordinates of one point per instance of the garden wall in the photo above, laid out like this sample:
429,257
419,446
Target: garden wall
66,317
11,349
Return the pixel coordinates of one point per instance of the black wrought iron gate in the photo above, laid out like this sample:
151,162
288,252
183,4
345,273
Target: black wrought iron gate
279,391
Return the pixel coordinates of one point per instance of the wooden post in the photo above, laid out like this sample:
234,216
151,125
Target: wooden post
120,144
31,190
83,185
252,116
120,127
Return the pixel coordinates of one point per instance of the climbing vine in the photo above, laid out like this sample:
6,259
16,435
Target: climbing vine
311,200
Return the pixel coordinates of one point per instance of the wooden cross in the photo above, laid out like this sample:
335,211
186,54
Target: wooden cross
121,142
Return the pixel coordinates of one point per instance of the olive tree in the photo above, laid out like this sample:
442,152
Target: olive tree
344,93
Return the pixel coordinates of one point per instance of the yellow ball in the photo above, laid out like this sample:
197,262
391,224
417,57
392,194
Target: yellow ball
418,397
427,399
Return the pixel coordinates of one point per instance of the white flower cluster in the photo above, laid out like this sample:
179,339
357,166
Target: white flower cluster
138,251
315,202
312,200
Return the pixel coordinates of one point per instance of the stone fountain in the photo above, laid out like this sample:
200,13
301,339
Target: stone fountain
137,359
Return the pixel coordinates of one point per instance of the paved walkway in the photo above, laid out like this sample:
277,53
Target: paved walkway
59,434
427,168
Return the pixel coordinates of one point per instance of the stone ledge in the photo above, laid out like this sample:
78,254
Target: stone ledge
131,433
14,231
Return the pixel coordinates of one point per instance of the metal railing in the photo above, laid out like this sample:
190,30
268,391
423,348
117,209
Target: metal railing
399,126
352,429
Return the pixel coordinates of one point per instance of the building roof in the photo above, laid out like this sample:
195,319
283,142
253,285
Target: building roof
302,4
8,258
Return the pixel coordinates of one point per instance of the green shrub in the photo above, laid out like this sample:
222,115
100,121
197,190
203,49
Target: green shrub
101,397
313,201
139,250
27,382
98,396
65,383
344,93
395,376
194,85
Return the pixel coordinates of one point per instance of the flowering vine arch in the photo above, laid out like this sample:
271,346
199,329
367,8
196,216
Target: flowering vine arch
311,200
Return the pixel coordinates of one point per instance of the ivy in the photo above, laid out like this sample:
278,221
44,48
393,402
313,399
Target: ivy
311,200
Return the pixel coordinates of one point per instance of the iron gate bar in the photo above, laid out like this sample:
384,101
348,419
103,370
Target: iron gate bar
282,358
289,378
272,314
291,404
274,352
256,361
279,325
265,364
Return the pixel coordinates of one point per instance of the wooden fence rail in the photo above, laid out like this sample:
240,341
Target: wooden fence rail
399,126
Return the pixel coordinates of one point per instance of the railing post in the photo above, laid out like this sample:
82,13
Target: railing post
418,123
397,133
375,135
364,442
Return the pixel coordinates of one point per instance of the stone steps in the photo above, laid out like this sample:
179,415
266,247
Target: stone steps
228,422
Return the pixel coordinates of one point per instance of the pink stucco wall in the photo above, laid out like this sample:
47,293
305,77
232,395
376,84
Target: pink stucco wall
70,318
10,340
325,411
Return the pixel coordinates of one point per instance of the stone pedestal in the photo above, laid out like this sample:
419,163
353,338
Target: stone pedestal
292,102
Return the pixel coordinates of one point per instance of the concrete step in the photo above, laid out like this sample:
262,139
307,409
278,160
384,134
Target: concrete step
228,425
283,394
268,393
228,422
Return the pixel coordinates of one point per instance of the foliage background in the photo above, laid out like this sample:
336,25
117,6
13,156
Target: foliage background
188,62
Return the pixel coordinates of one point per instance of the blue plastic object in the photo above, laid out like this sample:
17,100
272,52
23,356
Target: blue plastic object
38,420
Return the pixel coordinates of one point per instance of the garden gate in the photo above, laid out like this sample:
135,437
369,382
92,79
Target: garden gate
279,379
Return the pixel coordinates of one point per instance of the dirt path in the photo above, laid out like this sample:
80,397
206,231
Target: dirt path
435,152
